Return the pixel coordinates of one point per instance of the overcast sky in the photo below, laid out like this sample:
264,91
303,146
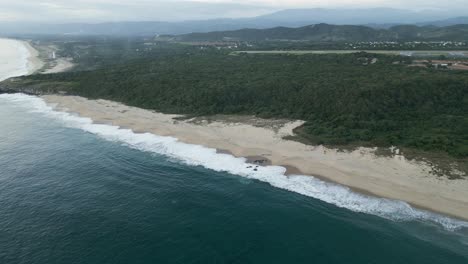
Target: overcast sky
172,10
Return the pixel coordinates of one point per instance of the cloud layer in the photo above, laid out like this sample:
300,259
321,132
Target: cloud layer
172,10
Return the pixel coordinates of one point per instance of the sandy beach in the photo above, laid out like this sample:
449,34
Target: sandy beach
391,177
261,142
34,62
61,65
41,60
28,62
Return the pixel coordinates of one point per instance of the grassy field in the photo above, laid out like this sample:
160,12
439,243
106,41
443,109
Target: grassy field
419,53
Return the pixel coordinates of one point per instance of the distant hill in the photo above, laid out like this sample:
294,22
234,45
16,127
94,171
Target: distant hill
341,16
326,32
446,22
376,17
409,32
319,32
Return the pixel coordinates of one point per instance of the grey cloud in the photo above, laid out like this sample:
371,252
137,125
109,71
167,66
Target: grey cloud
63,11
108,10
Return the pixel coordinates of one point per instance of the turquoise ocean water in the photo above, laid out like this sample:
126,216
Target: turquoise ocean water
75,192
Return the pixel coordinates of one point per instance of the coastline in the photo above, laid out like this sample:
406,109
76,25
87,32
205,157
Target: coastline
27,58
38,62
362,170
34,63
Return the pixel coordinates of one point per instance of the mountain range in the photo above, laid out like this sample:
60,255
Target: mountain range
373,17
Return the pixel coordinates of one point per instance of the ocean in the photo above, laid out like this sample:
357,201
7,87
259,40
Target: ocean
72,191
13,59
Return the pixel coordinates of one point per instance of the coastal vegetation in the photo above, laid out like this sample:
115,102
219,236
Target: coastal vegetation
335,33
345,99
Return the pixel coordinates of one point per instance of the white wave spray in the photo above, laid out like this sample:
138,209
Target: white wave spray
196,155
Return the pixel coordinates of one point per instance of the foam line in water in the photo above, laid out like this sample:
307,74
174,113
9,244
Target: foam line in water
196,155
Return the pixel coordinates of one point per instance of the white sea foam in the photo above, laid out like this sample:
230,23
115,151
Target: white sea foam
195,155
13,59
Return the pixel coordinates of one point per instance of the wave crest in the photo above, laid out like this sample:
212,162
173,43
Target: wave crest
196,155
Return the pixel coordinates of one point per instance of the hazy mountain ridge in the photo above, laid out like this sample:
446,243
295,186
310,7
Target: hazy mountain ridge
374,17
356,16
447,22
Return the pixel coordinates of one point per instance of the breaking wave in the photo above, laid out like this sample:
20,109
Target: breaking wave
196,155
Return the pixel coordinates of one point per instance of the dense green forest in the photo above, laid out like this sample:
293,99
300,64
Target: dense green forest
345,99
336,33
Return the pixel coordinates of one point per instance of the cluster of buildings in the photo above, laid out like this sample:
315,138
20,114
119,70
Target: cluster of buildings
442,64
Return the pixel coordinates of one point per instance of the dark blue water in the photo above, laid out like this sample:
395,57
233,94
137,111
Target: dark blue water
69,196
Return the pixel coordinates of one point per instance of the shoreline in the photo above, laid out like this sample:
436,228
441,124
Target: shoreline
28,59
361,170
38,62
35,64
291,171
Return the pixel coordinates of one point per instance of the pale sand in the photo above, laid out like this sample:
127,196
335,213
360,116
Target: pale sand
34,63
390,177
46,65
63,64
